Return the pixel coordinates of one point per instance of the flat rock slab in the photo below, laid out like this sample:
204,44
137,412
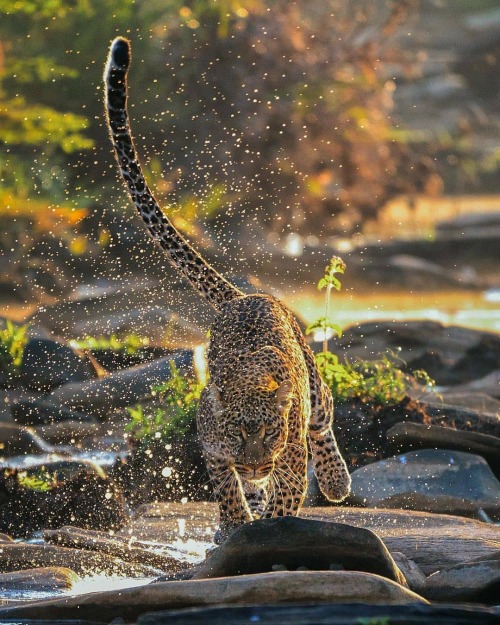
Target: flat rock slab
293,542
124,548
339,614
41,579
269,588
432,541
18,556
478,580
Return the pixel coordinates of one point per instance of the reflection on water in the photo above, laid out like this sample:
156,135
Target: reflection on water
478,310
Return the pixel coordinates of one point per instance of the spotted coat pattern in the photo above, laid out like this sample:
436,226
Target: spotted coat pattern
265,399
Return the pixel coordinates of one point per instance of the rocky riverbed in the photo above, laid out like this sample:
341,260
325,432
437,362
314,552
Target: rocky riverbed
419,531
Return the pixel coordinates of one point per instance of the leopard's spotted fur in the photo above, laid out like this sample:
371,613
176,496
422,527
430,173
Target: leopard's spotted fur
266,397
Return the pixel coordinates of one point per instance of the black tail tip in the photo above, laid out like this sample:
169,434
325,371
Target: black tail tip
120,53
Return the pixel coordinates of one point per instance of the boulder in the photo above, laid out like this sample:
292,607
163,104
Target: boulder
292,542
478,580
43,412
89,500
284,587
19,556
121,388
408,436
43,579
429,474
47,363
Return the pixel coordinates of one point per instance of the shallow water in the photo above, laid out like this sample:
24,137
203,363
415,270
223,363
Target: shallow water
189,550
479,310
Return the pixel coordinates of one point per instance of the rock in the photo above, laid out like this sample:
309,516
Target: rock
19,556
339,614
432,541
43,579
69,432
255,547
42,412
412,572
283,587
407,436
414,341
86,499
470,581
15,441
126,549
477,402
47,364
122,388
489,385
429,473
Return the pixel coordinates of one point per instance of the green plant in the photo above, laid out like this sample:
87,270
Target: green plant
380,381
176,414
330,281
40,481
128,344
12,342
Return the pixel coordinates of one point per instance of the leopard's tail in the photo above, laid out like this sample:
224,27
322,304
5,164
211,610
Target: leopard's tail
216,289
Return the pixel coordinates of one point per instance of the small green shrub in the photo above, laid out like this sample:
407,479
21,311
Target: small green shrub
41,481
13,340
379,381
176,414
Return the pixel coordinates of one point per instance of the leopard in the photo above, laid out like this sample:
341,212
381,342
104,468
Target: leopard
265,404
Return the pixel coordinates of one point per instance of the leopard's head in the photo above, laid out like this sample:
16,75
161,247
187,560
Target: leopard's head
252,413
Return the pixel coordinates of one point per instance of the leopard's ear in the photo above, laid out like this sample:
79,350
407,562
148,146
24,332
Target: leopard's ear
283,395
215,400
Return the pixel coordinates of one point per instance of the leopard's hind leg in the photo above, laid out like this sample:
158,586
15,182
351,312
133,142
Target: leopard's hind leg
329,466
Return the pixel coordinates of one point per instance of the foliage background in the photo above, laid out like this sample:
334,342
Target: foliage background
251,115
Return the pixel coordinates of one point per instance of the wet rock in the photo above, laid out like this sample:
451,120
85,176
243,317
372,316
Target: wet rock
42,412
408,436
269,588
339,614
87,500
43,579
15,441
47,363
19,556
429,474
122,388
127,549
255,547
470,581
